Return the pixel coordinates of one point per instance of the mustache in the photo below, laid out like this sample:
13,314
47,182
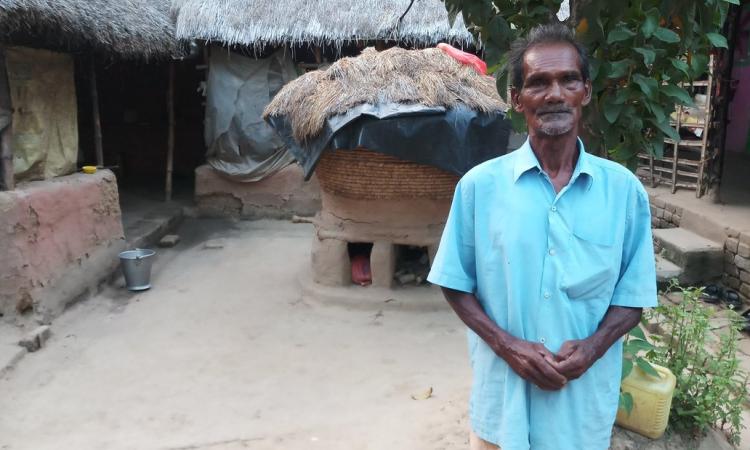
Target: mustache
551,109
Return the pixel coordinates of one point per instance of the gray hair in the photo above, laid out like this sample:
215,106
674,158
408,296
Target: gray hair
544,34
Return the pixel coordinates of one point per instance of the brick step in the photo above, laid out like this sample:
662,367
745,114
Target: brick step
666,271
700,259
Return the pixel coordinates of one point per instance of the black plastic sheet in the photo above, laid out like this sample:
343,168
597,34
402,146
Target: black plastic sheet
454,140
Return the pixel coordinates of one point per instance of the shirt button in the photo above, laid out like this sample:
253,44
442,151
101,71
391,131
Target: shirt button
552,252
546,295
542,340
553,209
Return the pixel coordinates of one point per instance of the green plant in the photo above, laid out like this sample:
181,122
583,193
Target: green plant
642,52
635,350
710,385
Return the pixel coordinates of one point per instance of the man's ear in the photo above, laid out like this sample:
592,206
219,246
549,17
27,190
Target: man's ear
589,89
514,99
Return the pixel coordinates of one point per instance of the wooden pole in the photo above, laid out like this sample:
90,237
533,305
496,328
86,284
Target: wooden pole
96,114
170,136
7,178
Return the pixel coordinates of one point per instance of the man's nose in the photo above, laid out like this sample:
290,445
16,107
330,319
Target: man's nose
554,93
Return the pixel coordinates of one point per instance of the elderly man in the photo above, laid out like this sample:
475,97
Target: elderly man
547,258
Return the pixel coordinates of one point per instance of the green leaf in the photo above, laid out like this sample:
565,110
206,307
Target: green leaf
621,96
637,345
618,69
698,65
594,66
717,40
499,31
734,2
665,128
627,367
666,35
501,82
648,85
657,111
647,367
619,34
517,120
648,55
612,111
677,93
680,65
657,146
651,23
637,332
626,402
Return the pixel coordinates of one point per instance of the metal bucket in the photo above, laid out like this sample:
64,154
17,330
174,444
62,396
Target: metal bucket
136,266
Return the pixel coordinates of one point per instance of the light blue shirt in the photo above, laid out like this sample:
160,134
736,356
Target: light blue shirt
546,267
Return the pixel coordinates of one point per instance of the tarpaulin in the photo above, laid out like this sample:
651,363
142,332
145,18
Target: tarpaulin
45,123
453,139
240,144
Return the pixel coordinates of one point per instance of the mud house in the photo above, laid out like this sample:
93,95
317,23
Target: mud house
61,230
256,48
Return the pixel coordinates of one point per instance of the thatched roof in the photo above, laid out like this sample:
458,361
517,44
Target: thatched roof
329,22
123,28
428,77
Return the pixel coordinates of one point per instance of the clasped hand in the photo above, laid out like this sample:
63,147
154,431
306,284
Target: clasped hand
535,363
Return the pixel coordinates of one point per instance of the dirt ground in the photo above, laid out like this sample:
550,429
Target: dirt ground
225,353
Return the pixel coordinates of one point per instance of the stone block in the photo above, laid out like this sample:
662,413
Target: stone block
169,240
731,269
745,238
660,213
652,208
701,259
34,340
654,222
743,250
731,282
732,233
330,262
744,276
729,257
668,216
658,202
745,290
676,220
732,244
383,263
742,263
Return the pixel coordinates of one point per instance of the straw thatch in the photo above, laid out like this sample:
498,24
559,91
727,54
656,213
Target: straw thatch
428,77
123,28
319,22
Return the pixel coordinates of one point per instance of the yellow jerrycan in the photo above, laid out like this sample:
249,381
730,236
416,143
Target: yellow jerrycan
652,399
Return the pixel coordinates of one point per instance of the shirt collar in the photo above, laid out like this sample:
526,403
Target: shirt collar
526,160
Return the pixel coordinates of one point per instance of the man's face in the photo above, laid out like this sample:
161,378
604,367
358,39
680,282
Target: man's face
553,92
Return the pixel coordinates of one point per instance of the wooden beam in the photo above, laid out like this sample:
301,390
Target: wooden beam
7,178
96,114
170,135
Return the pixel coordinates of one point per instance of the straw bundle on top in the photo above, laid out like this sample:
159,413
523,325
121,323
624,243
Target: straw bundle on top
428,77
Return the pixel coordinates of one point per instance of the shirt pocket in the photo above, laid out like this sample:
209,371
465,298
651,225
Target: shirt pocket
592,266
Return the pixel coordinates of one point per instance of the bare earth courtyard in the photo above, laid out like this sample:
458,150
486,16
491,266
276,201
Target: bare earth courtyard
224,352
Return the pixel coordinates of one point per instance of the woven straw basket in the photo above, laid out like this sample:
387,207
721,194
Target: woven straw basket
368,175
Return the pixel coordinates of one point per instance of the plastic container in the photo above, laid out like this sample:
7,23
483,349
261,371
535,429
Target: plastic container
652,399
89,169
136,266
